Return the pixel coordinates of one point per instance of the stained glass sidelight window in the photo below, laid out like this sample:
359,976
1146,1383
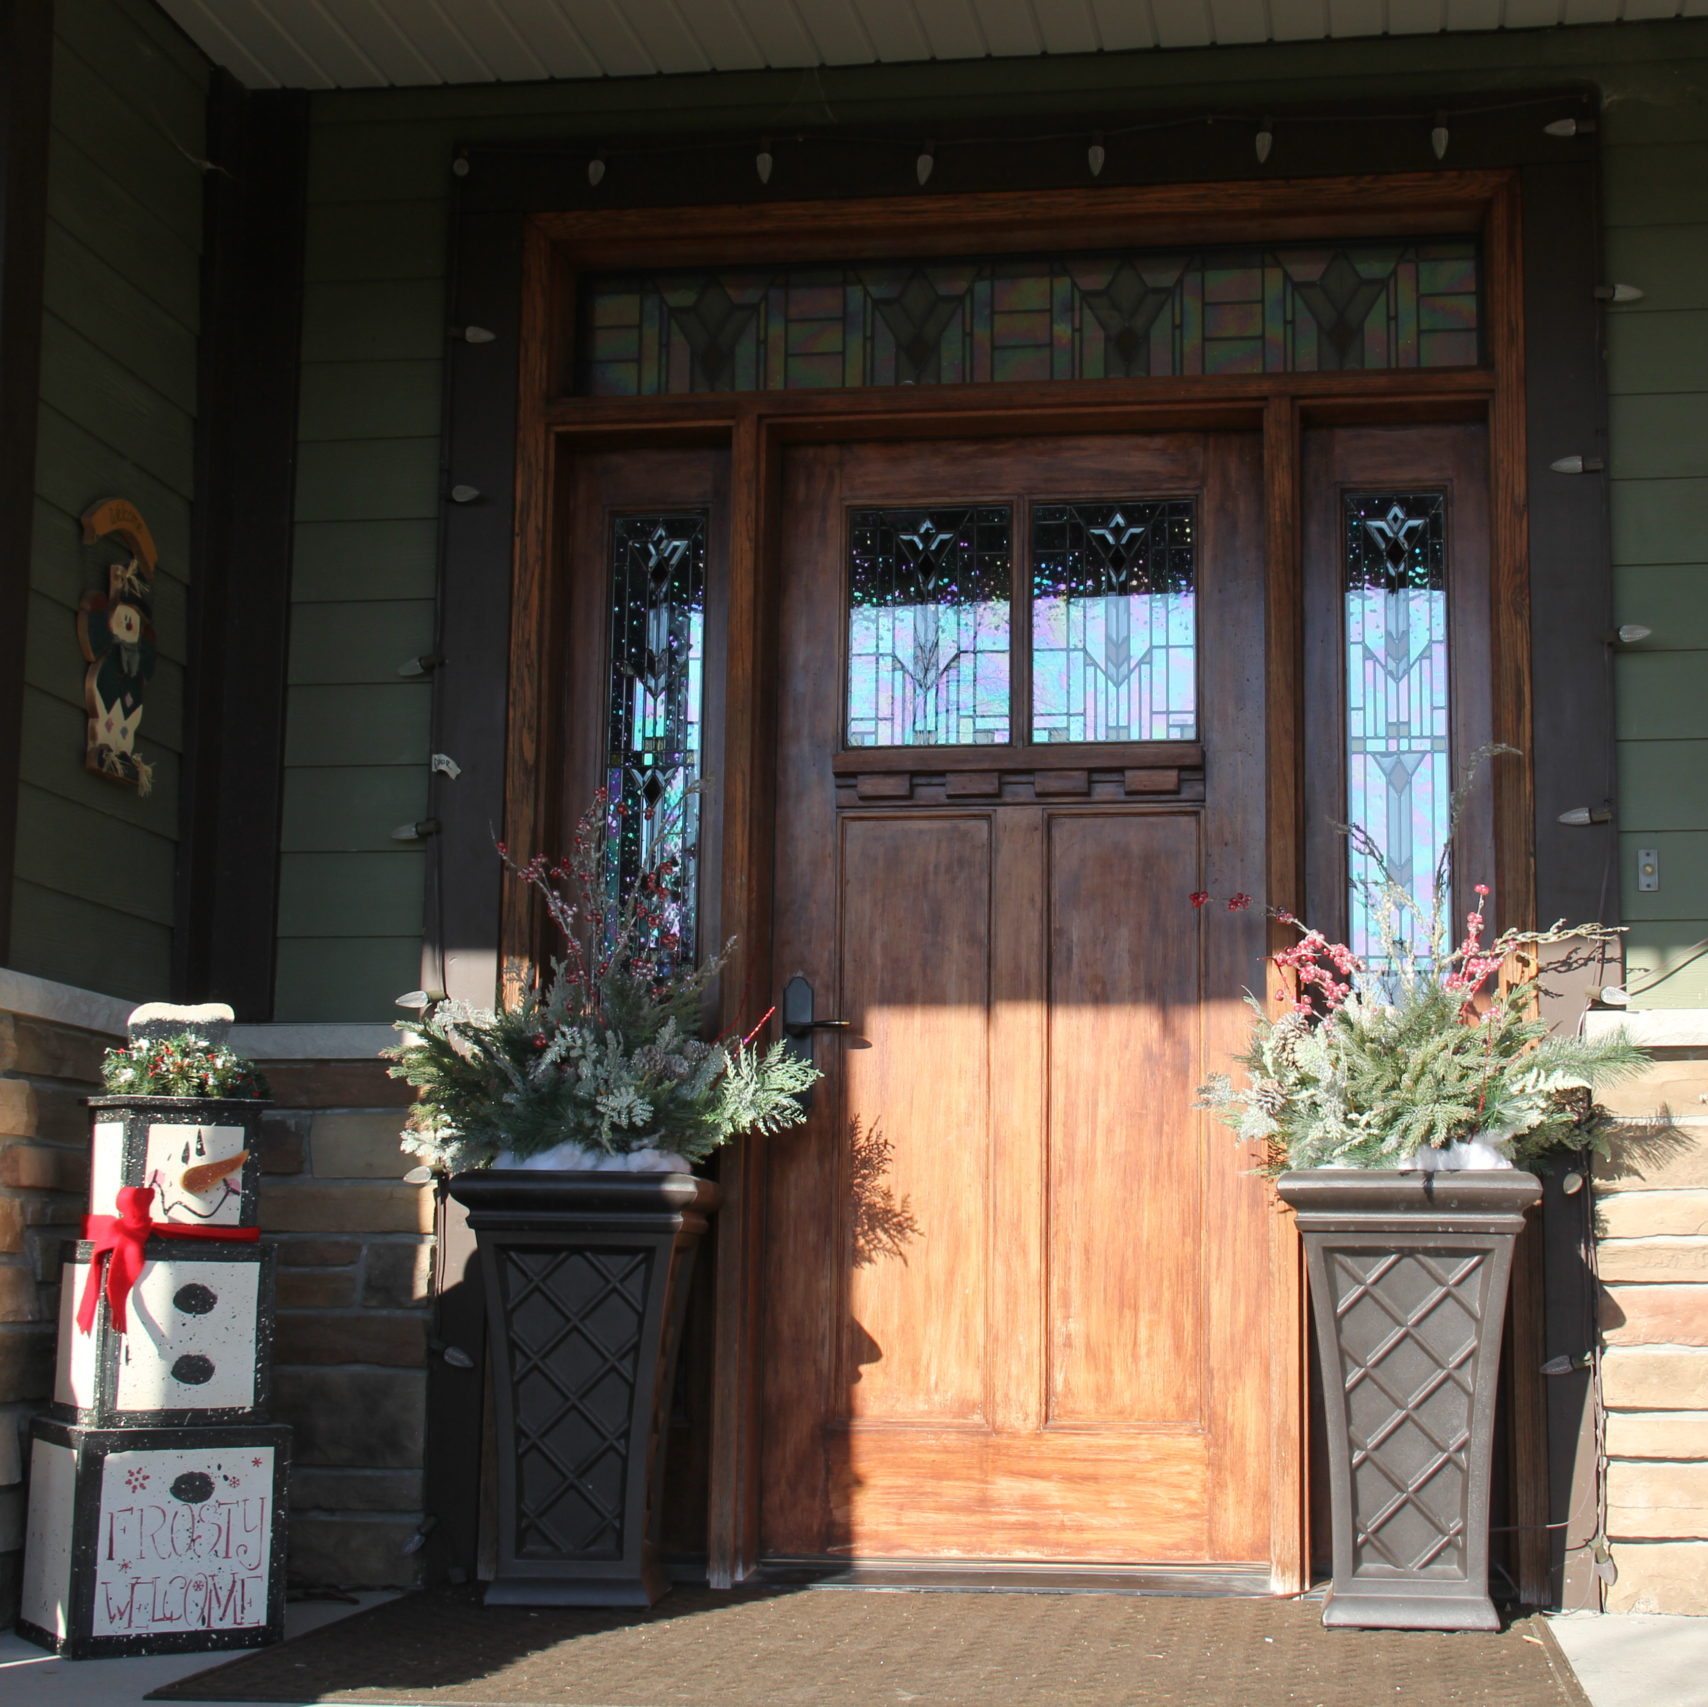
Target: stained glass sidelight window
1398,734
1113,643
928,626
1290,308
658,622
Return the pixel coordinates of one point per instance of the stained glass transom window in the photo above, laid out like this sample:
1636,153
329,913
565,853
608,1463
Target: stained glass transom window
929,626
658,633
1398,749
1113,641
1294,308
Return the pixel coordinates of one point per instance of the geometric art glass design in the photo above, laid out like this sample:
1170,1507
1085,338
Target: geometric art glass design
1113,641
1398,728
1282,308
929,626
1409,1335
653,746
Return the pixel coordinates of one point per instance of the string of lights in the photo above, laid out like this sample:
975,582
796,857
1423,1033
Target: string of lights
1267,130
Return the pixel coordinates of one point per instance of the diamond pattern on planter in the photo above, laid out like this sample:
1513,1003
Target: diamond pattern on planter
1409,1334
575,1354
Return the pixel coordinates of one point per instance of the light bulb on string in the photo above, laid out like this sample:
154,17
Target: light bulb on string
922,166
762,160
1095,155
596,169
1264,141
1438,136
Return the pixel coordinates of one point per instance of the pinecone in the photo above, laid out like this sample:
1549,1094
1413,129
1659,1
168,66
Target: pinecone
1285,1038
1271,1098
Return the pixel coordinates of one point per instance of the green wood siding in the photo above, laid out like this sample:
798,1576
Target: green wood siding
94,894
1656,215
374,337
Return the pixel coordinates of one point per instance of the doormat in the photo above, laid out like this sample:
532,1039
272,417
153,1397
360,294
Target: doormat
864,1648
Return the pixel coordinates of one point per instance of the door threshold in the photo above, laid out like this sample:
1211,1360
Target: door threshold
979,1576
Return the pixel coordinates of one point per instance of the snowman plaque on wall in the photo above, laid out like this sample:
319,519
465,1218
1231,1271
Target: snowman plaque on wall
115,629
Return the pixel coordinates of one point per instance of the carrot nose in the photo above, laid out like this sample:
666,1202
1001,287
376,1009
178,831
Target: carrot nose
207,1174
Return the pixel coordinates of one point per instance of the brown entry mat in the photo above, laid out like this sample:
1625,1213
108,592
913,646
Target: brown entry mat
857,1648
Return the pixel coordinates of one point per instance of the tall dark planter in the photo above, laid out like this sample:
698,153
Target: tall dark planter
1408,1278
586,1278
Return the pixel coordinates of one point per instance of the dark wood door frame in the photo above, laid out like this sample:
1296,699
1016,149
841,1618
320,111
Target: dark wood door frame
510,415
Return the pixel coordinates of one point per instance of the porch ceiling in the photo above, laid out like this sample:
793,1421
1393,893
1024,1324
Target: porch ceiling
325,44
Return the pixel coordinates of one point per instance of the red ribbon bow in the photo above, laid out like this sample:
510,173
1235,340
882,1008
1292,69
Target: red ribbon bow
121,1242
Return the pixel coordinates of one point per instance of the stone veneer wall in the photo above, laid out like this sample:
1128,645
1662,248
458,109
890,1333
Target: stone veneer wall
1652,1257
46,1070
349,1367
355,1251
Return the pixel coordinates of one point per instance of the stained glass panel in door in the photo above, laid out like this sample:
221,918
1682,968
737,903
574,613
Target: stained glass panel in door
657,653
929,626
1398,757
1113,621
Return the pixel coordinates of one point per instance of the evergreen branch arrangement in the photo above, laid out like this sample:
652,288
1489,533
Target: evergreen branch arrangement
1438,1044
607,1051
183,1065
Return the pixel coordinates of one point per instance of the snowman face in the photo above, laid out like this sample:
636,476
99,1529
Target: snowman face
126,623
191,1345
196,1172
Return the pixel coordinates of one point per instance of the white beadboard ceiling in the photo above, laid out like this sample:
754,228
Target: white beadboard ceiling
350,44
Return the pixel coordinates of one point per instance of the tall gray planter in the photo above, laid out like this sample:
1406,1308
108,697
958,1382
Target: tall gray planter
586,1278
1408,1279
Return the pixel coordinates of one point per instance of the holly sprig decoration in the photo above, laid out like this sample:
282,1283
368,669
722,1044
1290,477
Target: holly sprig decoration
183,1065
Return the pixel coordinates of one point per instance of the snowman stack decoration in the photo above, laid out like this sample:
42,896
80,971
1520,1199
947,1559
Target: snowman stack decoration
156,1521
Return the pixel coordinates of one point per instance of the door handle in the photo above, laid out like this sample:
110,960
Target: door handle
798,1021
798,1025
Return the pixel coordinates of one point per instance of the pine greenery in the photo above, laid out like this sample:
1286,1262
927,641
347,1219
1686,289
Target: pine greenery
183,1065
607,1053
1371,1066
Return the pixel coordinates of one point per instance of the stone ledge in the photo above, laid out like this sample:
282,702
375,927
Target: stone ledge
39,1049
1660,1576
357,1419
397,1274
45,1167
1651,1214
316,1289
1657,1434
356,1336
11,1225
1676,1160
358,1144
287,1041
353,1207
353,1552
1654,1028
1640,1378
336,1084
1654,1315
63,1004
310,1252
355,1490
1655,1500
1652,1261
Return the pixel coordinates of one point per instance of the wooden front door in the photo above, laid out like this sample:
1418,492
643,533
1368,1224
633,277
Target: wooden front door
1018,1297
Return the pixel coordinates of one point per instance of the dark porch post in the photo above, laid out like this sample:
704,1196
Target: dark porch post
26,79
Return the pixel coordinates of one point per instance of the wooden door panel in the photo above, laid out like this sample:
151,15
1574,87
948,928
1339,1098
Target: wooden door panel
1063,1354
916,985
1101,1499
1124,1168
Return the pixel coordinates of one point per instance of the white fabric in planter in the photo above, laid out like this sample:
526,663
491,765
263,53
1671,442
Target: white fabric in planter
571,1157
